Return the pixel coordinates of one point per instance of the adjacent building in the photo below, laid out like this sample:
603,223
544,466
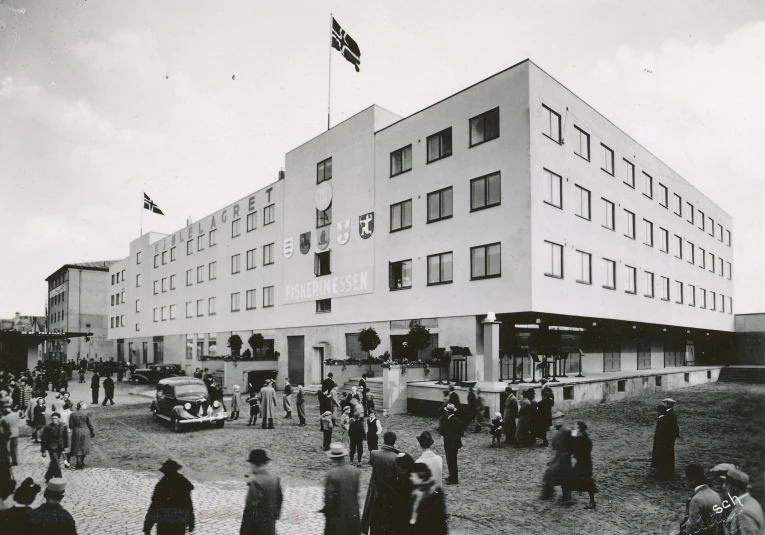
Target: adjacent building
512,196
20,343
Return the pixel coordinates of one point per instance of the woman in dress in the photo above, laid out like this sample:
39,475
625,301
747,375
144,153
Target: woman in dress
581,473
345,424
82,432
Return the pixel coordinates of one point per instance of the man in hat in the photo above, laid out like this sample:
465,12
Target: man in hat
379,504
745,517
434,462
559,468
171,507
95,386
546,390
50,517
287,398
452,429
511,413
108,390
328,383
263,505
267,405
341,494
700,516
671,415
55,439
16,520
663,453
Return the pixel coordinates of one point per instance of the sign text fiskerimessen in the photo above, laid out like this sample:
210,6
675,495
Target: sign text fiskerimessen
340,285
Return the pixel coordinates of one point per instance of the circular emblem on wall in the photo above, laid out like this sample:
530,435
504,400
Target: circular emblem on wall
323,196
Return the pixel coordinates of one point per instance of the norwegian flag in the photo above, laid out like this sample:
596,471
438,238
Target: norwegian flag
150,206
345,44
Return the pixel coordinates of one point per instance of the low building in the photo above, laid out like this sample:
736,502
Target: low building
750,339
18,350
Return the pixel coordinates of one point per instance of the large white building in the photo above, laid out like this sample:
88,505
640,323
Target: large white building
512,196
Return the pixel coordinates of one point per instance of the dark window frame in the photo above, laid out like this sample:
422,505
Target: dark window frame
401,153
270,209
650,183
268,247
562,263
589,151
560,189
440,268
613,271
441,205
589,202
411,218
559,141
486,191
483,116
324,218
663,196
440,136
612,172
390,275
486,261
324,177
325,310
318,262
632,167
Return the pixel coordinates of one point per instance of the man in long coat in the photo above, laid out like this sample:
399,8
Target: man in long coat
452,430
559,468
108,390
379,516
267,405
341,494
171,507
511,413
55,439
95,386
663,454
263,506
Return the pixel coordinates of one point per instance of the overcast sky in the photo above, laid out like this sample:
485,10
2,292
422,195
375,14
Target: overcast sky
99,100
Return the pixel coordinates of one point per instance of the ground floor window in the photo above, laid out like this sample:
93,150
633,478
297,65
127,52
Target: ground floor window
643,353
352,346
612,355
399,352
674,353
159,349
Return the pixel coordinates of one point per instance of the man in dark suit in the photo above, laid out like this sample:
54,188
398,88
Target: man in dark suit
379,515
55,439
171,508
50,517
328,383
699,508
671,415
452,430
108,390
95,386
341,494
264,498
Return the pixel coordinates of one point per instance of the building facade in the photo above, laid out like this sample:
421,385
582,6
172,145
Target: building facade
78,301
512,196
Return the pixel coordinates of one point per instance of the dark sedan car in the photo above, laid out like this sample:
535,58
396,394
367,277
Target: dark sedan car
155,372
184,401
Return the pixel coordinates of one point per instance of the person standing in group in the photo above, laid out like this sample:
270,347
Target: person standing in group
16,520
267,405
26,395
580,479
82,433
374,430
287,398
55,440
544,416
472,409
370,402
356,437
336,408
300,402
524,435
434,462
559,468
95,386
345,424
82,374
51,517
700,515
171,508
263,505
328,384
63,380
236,403
663,454
364,390
7,481
671,415
254,401
745,517
496,429
452,430
428,515
13,420
38,420
511,413
341,494
108,390
326,425
379,515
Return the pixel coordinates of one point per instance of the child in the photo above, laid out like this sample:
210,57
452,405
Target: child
82,375
254,402
374,430
326,425
356,436
496,429
370,402
236,403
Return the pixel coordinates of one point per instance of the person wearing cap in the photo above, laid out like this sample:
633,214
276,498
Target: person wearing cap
12,417
95,386
287,398
55,440
328,383
433,461
663,454
380,501
51,517
511,413
254,401
326,425
718,471
671,415
341,494
108,390
745,517
559,468
263,505
171,509
16,520
236,403
700,515
452,430
267,405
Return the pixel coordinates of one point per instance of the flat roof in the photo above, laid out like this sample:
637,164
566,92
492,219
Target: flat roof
101,265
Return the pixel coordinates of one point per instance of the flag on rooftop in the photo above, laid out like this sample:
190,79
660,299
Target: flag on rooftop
345,44
150,206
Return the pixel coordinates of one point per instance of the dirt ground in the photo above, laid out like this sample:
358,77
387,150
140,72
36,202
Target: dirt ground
499,487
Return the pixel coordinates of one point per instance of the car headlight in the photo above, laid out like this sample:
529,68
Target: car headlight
187,406
216,404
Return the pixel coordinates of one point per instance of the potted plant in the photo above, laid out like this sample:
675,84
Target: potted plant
235,343
417,338
256,342
369,341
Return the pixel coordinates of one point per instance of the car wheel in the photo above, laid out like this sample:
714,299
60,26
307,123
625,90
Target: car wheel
155,414
176,423
135,380
220,423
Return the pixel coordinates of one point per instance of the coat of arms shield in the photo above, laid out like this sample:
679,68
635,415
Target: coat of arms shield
305,242
288,247
366,225
343,231
323,237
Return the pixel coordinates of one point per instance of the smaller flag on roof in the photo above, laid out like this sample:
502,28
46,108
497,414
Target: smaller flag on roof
150,206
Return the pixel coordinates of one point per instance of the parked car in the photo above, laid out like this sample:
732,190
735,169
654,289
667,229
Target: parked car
185,401
155,372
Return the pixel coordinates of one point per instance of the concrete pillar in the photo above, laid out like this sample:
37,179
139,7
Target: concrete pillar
490,348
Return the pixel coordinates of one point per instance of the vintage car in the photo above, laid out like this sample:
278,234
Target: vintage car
185,401
155,372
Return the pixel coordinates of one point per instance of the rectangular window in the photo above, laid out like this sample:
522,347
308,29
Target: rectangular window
440,205
609,214
553,260
400,275
173,311
648,232
440,268
648,284
647,185
702,298
172,282
189,247
156,315
582,143
678,205
211,306
172,254
691,253
401,215
252,221
722,265
200,307
583,267
189,310
200,243
137,327
137,305
138,280
678,247
722,303
212,271
235,302
324,170
156,287
663,195
484,127
322,263
679,292
664,235
485,261
629,219
720,232
250,299
440,145
324,305
607,165
630,285
689,212
156,260
137,257
727,242
702,258
269,214
485,192
268,296
729,271
730,305
200,274
711,227
610,278
164,257
112,279
551,124
164,284
712,301
691,295
236,228
551,188
268,254
583,203
112,299
702,220
235,263
213,237
251,259
401,161
664,289
122,296
711,262
324,217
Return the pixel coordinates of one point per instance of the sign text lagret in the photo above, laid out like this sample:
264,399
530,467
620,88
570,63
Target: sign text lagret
341,285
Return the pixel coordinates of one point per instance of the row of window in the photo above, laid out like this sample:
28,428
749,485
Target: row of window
56,299
169,312
118,321
551,128
120,275
58,281
118,298
57,316
485,263
553,267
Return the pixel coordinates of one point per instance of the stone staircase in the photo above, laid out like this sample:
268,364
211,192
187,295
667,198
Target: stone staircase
742,374
375,385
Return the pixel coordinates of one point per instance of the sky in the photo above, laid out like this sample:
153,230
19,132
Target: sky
196,103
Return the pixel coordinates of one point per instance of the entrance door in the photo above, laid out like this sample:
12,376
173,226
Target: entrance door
643,353
674,353
296,359
612,356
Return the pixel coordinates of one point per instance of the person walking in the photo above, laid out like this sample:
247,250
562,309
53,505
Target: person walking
374,430
13,420
511,413
63,380
171,508
524,435
26,395
326,425
82,433
356,437
95,386
287,398
434,462
38,420
268,405
263,505
82,374
300,402
544,416
341,494
345,424
55,440
108,390
580,479
428,510
236,403
472,409
254,401
379,514
452,432
51,517
745,517
559,468
663,454
700,515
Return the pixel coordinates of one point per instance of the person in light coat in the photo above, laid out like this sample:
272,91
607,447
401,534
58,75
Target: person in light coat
236,403
433,461
267,405
745,517
287,398
341,494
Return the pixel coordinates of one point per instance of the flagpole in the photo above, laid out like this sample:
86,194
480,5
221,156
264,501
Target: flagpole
329,90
